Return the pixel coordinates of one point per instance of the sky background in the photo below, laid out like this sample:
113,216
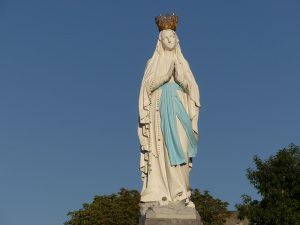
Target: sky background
70,73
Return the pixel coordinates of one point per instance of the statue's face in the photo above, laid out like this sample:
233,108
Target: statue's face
168,40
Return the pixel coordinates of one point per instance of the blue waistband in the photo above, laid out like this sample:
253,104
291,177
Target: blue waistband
171,108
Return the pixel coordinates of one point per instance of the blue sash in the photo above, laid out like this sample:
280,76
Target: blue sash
170,108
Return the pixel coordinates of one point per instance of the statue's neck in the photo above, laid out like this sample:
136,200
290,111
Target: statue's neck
169,54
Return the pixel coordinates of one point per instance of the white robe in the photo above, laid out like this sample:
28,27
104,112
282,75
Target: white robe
161,181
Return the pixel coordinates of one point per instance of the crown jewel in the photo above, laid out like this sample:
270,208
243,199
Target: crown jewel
166,21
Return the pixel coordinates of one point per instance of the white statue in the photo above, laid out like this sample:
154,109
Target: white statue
169,104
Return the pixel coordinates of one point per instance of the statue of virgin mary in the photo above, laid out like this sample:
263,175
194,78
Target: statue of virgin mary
169,104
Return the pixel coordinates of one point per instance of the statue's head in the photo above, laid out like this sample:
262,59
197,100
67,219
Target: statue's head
167,26
168,39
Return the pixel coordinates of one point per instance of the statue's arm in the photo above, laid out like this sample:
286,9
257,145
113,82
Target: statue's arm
182,82
158,81
155,83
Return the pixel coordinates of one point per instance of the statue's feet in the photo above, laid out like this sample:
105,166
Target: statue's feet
189,203
163,203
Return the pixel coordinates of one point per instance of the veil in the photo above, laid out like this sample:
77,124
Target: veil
154,68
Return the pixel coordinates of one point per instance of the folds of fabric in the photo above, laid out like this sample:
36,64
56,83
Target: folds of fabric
171,108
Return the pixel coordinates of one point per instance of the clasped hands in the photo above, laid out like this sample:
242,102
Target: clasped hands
173,71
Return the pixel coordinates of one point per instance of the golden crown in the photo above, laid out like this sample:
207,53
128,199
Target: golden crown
166,21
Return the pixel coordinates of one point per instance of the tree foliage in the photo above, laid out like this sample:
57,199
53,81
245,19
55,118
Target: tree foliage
115,209
213,211
123,209
277,180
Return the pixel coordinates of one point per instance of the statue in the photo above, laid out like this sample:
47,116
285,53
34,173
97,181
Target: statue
169,104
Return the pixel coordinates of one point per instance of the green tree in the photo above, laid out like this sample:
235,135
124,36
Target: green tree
213,211
277,180
123,209
115,209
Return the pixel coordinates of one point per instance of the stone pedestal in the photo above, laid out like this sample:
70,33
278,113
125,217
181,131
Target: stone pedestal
171,214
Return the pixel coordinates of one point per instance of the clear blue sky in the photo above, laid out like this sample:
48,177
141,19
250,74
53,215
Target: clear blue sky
70,74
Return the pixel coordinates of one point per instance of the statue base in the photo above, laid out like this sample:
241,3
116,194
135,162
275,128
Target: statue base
175,213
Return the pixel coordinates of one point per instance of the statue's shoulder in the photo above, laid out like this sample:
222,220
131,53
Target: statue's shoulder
148,61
